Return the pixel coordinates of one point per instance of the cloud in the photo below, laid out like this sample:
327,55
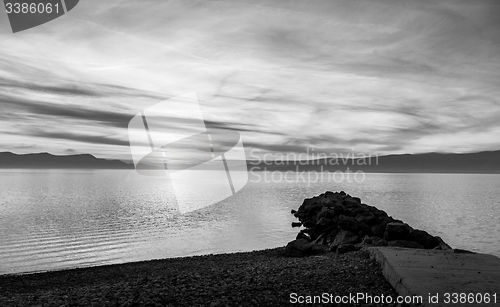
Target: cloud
56,90
83,138
381,75
55,112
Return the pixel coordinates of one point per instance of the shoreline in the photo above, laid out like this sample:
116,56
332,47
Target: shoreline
345,249
243,278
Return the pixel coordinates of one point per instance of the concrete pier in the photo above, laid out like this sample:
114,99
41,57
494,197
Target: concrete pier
438,274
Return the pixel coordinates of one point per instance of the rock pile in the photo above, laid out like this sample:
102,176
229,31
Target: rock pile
341,223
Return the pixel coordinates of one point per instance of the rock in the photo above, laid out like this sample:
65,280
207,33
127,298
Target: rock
379,241
368,220
308,223
326,212
462,251
298,248
302,247
442,245
321,239
361,210
333,219
396,231
374,241
377,212
367,240
379,229
338,209
404,243
351,201
424,238
324,221
345,237
302,235
345,248
350,223
330,234
318,249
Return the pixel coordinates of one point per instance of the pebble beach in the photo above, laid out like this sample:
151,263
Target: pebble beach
259,278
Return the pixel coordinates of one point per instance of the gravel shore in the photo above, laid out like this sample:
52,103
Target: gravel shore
260,278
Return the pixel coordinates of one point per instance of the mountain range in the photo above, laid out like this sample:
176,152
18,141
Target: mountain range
481,162
46,160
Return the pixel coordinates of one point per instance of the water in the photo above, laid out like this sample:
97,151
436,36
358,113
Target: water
56,219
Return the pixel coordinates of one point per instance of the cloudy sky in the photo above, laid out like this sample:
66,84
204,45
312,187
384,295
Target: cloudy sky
383,76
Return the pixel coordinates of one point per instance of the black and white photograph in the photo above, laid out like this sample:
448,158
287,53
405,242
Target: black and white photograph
250,153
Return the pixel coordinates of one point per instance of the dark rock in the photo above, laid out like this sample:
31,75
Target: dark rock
302,247
367,240
350,223
321,239
351,201
294,211
318,249
368,220
326,212
378,212
308,223
302,235
345,237
330,234
307,203
424,238
462,251
404,243
358,212
376,241
333,219
442,245
321,226
346,248
298,248
338,209
397,231
379,229
324,221
317,232
299,215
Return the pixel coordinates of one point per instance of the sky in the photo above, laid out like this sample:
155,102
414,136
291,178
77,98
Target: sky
294,76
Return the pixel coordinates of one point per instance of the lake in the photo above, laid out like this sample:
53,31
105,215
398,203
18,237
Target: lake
57,219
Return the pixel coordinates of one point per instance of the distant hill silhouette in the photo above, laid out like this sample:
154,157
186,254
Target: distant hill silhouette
487,162
46,160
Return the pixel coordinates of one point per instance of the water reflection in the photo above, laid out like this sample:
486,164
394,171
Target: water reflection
54,219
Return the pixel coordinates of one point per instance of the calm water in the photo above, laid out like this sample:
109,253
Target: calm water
55,219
